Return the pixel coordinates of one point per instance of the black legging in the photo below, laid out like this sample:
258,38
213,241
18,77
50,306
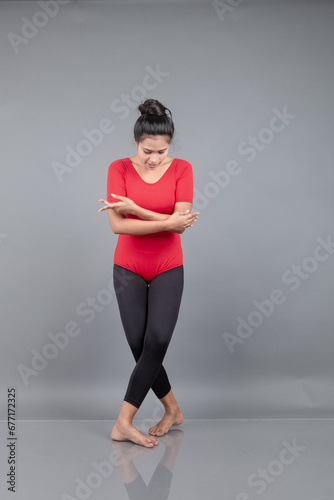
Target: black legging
149,313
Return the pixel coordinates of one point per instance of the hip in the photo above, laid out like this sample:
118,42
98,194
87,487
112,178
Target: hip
148,260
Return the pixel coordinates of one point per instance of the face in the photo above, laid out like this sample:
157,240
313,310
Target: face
152,151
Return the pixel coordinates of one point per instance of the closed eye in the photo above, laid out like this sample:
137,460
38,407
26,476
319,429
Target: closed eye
149,152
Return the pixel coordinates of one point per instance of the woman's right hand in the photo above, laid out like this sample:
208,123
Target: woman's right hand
178,222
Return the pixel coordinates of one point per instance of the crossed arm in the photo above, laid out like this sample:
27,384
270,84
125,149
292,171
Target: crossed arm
153,222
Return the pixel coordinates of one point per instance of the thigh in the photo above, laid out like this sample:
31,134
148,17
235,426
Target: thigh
164,300
132,296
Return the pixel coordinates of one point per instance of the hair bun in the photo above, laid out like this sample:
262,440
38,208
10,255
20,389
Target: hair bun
153,121
152,107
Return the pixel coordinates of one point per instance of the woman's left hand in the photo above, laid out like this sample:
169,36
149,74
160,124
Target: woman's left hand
125,206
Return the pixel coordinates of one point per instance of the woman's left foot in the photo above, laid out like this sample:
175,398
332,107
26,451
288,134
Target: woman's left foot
170,418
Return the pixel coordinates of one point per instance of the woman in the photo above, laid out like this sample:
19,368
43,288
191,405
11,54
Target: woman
149,200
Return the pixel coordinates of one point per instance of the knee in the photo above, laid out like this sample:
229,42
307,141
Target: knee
136,348
157,341
136,352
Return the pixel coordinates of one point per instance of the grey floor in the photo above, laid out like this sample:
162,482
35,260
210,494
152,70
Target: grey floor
201,459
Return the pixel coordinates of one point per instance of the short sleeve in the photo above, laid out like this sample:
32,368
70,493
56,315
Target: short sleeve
116,181
184,184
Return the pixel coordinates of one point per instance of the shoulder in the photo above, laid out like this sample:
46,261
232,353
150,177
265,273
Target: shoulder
119,166
182,166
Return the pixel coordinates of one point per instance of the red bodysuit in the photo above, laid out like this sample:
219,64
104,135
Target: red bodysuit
150,254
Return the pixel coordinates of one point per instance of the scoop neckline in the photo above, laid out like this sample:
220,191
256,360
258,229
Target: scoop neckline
155,181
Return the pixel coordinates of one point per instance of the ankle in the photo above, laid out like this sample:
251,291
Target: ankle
172,408
123,422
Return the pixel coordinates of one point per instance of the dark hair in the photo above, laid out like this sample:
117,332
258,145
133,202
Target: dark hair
153,120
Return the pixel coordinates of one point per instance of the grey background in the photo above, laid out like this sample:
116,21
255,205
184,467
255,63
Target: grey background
226,74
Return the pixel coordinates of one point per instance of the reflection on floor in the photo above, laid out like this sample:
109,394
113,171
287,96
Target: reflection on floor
160,482
201,459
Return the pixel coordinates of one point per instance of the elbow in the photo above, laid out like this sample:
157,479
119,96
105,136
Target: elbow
115,229
118,230
116,223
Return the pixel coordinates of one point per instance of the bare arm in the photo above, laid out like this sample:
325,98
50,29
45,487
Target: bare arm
177,222
148,215
122,225
183,207
143,213
127,206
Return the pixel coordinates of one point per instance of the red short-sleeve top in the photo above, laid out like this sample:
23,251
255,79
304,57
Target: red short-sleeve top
150,254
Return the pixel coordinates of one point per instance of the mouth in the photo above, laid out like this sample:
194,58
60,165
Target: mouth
152,165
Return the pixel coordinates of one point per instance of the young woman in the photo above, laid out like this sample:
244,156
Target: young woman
149,201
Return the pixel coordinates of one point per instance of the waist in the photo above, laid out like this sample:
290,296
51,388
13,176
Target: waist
150,243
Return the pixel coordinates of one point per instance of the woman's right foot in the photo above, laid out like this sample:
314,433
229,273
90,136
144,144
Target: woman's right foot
127,432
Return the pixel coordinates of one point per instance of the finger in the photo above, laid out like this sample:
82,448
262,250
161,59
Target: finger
113,205
107,202
117,196
107,206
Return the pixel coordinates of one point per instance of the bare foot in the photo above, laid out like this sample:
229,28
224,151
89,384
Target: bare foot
170,418
128,432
